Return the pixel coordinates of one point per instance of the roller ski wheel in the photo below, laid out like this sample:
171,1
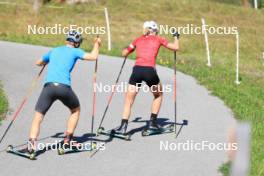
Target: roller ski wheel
32,156
9,148
145,132
128,137
171,128
61,151
94,146
100,130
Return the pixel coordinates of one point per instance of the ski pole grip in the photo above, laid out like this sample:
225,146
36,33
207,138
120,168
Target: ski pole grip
176,34
97,38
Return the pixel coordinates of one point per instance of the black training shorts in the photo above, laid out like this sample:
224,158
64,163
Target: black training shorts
54,91
146,74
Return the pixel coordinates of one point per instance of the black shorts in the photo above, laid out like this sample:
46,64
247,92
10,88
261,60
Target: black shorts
146,74
54,91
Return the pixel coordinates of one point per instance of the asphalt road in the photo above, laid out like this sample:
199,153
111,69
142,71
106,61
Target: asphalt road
208,118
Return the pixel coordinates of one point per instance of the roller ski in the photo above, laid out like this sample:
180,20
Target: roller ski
69,146
76,147
28,152
153,128
119,132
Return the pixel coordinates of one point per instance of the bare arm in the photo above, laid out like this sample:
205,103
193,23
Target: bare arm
95,52
175,45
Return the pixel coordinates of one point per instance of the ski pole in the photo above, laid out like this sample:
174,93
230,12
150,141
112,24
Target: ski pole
29,92
175,34
111,96
94,94
175,92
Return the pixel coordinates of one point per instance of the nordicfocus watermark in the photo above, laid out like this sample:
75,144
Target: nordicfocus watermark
60,29
191,29
124,87
71,146
191,145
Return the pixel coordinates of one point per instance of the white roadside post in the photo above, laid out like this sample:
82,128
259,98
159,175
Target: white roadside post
237,59
108,29
256,4
206,43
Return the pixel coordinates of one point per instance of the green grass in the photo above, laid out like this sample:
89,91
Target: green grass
239,2
246,100
225,169
3,104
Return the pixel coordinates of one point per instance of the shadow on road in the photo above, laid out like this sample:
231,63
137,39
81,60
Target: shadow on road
161,121
80,139
93,138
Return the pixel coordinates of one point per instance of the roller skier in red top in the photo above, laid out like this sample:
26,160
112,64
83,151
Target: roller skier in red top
146,47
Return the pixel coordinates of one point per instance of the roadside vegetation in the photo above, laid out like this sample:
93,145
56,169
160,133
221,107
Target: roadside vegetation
3,104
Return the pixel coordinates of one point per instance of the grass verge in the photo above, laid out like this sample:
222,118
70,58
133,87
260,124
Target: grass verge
225,169
3,104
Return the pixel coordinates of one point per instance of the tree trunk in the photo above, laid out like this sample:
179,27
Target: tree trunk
36,5
246,3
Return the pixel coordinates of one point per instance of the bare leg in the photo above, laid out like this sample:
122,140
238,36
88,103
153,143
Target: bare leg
158,96
34,131
73,120
129,100
35,125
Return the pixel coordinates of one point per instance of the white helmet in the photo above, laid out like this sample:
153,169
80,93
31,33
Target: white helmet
151,25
